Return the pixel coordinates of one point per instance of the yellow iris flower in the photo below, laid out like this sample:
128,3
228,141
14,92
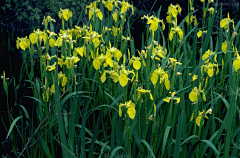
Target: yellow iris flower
236,62
200,115
163,77
189,20
153,21
193,95
130,106
225,22
177,30
123,78
65,14
172,97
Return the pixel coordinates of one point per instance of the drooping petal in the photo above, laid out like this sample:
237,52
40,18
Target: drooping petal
167,99
103,77
193,96
96,64
123,80
131,112
137,64
154,78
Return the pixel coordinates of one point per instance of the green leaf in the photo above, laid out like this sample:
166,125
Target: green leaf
13,124
115,150
148,147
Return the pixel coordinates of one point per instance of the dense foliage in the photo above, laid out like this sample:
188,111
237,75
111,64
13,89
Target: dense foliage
93,94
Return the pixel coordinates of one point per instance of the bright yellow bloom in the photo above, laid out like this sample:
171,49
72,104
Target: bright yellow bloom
58,42
141,91
51,67
193,95
130,106
163,77
200,115
200,33
158,51
189,20
80,50
126,6
194,77
226,21
62,79
173,10
224,47
207,54
38,36
109,4
47,20
123,78
70,61
177,30
94,10
48,57
211,10
208,68
65,14
172,97
23,43
174,62
236,62
153,21
113,75
106,59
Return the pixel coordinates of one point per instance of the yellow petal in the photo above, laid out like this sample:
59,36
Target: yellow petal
236,64
151,97
64,81
120,110
51,42
109,61
174,12
171,35
115,77
167,99
65,15
58,42
123,80
154,78
199,34
23,45
192,116
154,26
167,84
177,100
96,64
169,19
198,120
33,38
96,42
114,17
204,97
137,64
103,77
193,96
205,56
131,112
223,23
210,72
100,15
118,55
